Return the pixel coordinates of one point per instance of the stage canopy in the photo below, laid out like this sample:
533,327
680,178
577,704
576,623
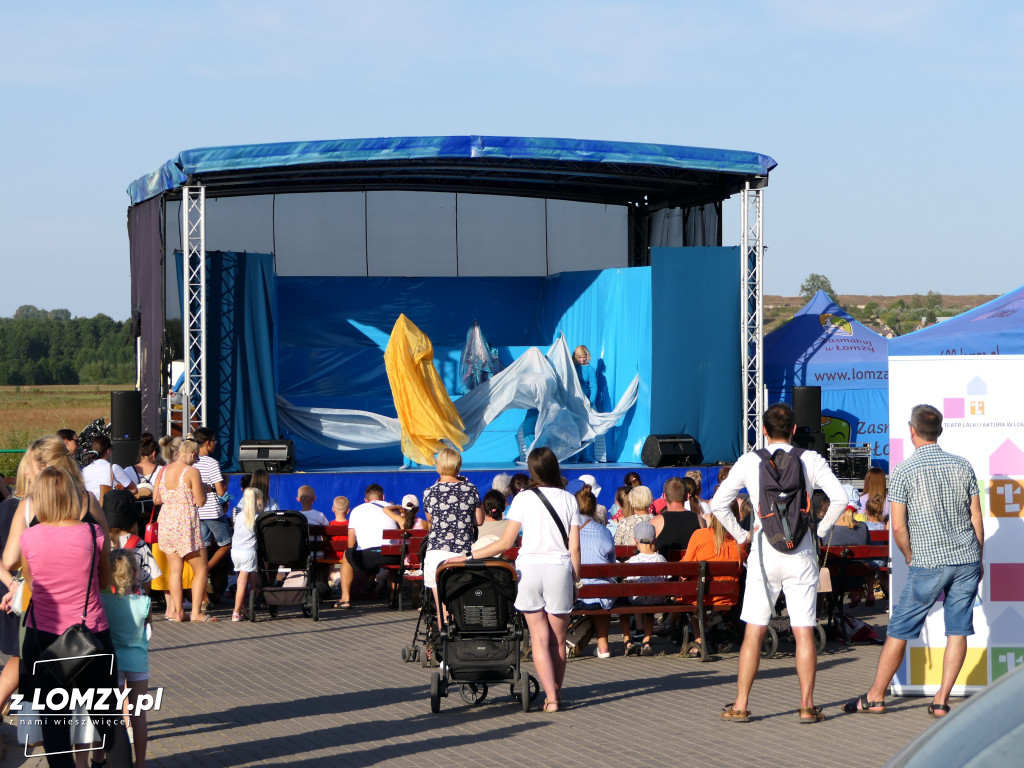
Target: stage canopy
572,169
823,346
995,328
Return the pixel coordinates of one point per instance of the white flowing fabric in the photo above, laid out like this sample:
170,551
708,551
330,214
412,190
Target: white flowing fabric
566,421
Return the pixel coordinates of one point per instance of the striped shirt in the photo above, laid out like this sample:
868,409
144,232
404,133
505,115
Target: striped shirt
937,488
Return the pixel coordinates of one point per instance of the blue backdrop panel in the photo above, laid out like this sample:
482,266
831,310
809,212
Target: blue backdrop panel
240,355
695,295
332,332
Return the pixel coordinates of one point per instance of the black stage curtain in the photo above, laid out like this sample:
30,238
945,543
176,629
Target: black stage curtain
145,254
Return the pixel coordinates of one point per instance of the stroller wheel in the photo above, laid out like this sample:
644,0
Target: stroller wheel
473,693
725,646
252,605
820,639
770,644
435,692
407,653
307,611
272,610
316,606
524,688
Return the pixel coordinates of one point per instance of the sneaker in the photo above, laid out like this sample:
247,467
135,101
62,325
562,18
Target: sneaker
236,616
605,655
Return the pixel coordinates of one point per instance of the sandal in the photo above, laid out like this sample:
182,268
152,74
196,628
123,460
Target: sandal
934,708
551,705
862,705
694,652
735,715
646,650
206,618
346,604
631,650
811,715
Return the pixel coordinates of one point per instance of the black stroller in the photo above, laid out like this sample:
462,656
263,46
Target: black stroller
282,540
481,636
425,640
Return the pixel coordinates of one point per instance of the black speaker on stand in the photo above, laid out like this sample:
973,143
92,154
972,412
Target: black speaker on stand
807,408
126,415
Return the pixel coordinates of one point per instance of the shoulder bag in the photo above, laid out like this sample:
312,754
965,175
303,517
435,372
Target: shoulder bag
554,516
70,654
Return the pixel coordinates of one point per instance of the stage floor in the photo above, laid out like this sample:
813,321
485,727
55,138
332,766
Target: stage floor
399,481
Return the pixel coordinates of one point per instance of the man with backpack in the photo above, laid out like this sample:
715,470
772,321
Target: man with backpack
784,549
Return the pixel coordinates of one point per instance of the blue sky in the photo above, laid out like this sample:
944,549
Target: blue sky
895,125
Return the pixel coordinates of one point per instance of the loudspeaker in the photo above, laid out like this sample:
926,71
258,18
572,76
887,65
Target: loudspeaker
671,451
271,455
126,416
124,453
811,441
807,408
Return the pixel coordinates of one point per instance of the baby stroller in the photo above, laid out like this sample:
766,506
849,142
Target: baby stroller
425,640
282,540
481,636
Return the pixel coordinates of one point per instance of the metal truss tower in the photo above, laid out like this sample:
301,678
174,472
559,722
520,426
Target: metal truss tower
752,314
193,224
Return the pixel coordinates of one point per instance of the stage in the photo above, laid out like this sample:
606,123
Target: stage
398,481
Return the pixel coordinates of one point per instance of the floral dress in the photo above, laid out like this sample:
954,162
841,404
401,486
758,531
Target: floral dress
451,507
624,533
179,519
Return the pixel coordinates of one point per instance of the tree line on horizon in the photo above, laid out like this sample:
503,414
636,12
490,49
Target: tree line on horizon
39,347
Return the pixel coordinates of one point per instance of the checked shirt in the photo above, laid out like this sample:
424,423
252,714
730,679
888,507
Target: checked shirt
937,488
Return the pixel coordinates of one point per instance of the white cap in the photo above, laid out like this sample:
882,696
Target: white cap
409,501
594,487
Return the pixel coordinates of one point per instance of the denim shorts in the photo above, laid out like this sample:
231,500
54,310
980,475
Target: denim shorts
959,582
216,529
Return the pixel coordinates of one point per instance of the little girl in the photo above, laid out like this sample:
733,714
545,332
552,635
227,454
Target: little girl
243,546
128,614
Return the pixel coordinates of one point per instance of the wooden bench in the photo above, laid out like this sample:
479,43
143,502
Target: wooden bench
404,544
688,588
329,543
850,562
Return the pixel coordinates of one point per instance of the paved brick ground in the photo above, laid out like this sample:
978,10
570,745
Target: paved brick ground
291,691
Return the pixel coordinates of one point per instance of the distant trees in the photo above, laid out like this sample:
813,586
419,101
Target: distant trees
815,283
50,347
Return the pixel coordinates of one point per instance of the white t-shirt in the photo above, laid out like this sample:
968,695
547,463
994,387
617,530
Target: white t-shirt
745,473
98,473
369,522
542,541
315,518
209,473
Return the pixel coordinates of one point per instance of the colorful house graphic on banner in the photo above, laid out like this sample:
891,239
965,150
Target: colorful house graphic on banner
1006,481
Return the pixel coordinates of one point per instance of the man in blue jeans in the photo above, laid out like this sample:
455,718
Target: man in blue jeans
935,516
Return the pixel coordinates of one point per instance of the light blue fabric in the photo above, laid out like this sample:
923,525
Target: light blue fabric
126,615
823,346
991,329
597,546
176,171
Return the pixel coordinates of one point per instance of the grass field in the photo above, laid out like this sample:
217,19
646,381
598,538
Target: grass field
30,412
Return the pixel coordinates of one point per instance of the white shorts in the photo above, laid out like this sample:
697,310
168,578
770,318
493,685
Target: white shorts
795,575
545,587
431,561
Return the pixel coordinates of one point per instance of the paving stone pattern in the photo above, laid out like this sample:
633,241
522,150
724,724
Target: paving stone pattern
291,691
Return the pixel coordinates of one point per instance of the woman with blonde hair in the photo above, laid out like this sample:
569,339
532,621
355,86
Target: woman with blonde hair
711,544
65,562
180,491
636,511
454,510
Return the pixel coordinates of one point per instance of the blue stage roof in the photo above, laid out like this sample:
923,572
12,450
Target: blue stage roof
600,170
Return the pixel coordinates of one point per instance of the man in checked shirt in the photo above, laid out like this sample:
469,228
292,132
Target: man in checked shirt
935,516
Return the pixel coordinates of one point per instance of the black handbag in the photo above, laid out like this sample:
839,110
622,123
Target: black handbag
69,655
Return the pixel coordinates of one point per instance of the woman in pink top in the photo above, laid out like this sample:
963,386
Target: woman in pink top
63,562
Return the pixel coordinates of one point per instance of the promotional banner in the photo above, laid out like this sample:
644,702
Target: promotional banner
983,421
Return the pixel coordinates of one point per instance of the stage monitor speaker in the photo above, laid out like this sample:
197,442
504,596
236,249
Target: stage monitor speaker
671,451
126,416
124,453
271,455
807,408
811,441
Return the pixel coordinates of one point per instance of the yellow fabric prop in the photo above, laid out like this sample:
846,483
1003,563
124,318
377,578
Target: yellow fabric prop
425,410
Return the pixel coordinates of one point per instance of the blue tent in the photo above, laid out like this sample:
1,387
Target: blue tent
994,328
823,346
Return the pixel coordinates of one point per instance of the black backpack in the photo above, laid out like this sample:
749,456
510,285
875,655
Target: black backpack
784,506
